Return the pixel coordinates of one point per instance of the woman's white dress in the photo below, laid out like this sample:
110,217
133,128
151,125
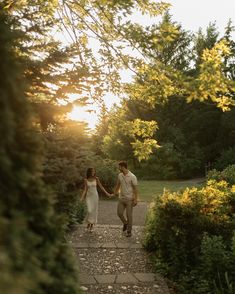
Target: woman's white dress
92,199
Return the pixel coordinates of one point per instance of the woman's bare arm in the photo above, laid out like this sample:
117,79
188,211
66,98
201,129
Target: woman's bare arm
84,190
101,187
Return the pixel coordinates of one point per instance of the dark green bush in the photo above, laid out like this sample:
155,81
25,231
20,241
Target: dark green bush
69,205
107,172
216,270
217,263
226,158
33,256
228,175
175,230
69,155
80,212
170,163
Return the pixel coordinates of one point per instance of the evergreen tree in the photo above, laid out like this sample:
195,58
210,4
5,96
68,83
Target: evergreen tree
33,257
190,134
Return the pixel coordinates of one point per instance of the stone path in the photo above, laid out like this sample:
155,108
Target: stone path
109,262
108,213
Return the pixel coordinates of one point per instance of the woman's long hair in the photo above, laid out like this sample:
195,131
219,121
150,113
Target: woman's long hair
89,172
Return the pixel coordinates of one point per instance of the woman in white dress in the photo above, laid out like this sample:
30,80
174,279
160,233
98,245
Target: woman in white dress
90,193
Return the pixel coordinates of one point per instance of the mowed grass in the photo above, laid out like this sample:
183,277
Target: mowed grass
147,190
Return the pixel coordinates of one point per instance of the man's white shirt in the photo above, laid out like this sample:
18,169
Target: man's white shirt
126,185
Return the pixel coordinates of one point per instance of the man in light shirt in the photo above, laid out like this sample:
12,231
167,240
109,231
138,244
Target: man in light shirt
127,188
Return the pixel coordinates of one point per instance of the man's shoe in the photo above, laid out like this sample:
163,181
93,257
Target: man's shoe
124,228
128,234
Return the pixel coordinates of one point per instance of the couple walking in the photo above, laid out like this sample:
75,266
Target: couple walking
126,188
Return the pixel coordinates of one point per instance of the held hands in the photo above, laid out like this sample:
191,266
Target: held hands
110,195
134,202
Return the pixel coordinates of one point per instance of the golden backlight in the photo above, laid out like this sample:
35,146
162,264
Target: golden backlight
84,114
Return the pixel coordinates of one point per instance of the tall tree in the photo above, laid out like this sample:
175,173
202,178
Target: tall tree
187,132
34,258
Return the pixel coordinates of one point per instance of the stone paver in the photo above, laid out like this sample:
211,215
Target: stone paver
140,288
126,278
109,245
111,263
86,279
125,245
143,277
81,245
105,279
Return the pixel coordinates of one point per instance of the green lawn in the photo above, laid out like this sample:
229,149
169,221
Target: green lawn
147,190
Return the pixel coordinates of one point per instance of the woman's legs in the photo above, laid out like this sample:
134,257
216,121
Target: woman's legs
92,211
89,227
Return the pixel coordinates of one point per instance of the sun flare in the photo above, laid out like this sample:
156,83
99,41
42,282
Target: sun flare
83,114
89,113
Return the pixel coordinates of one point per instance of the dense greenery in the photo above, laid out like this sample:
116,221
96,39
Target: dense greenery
69,154
43,156
33,256
192,234
157,110
225,175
